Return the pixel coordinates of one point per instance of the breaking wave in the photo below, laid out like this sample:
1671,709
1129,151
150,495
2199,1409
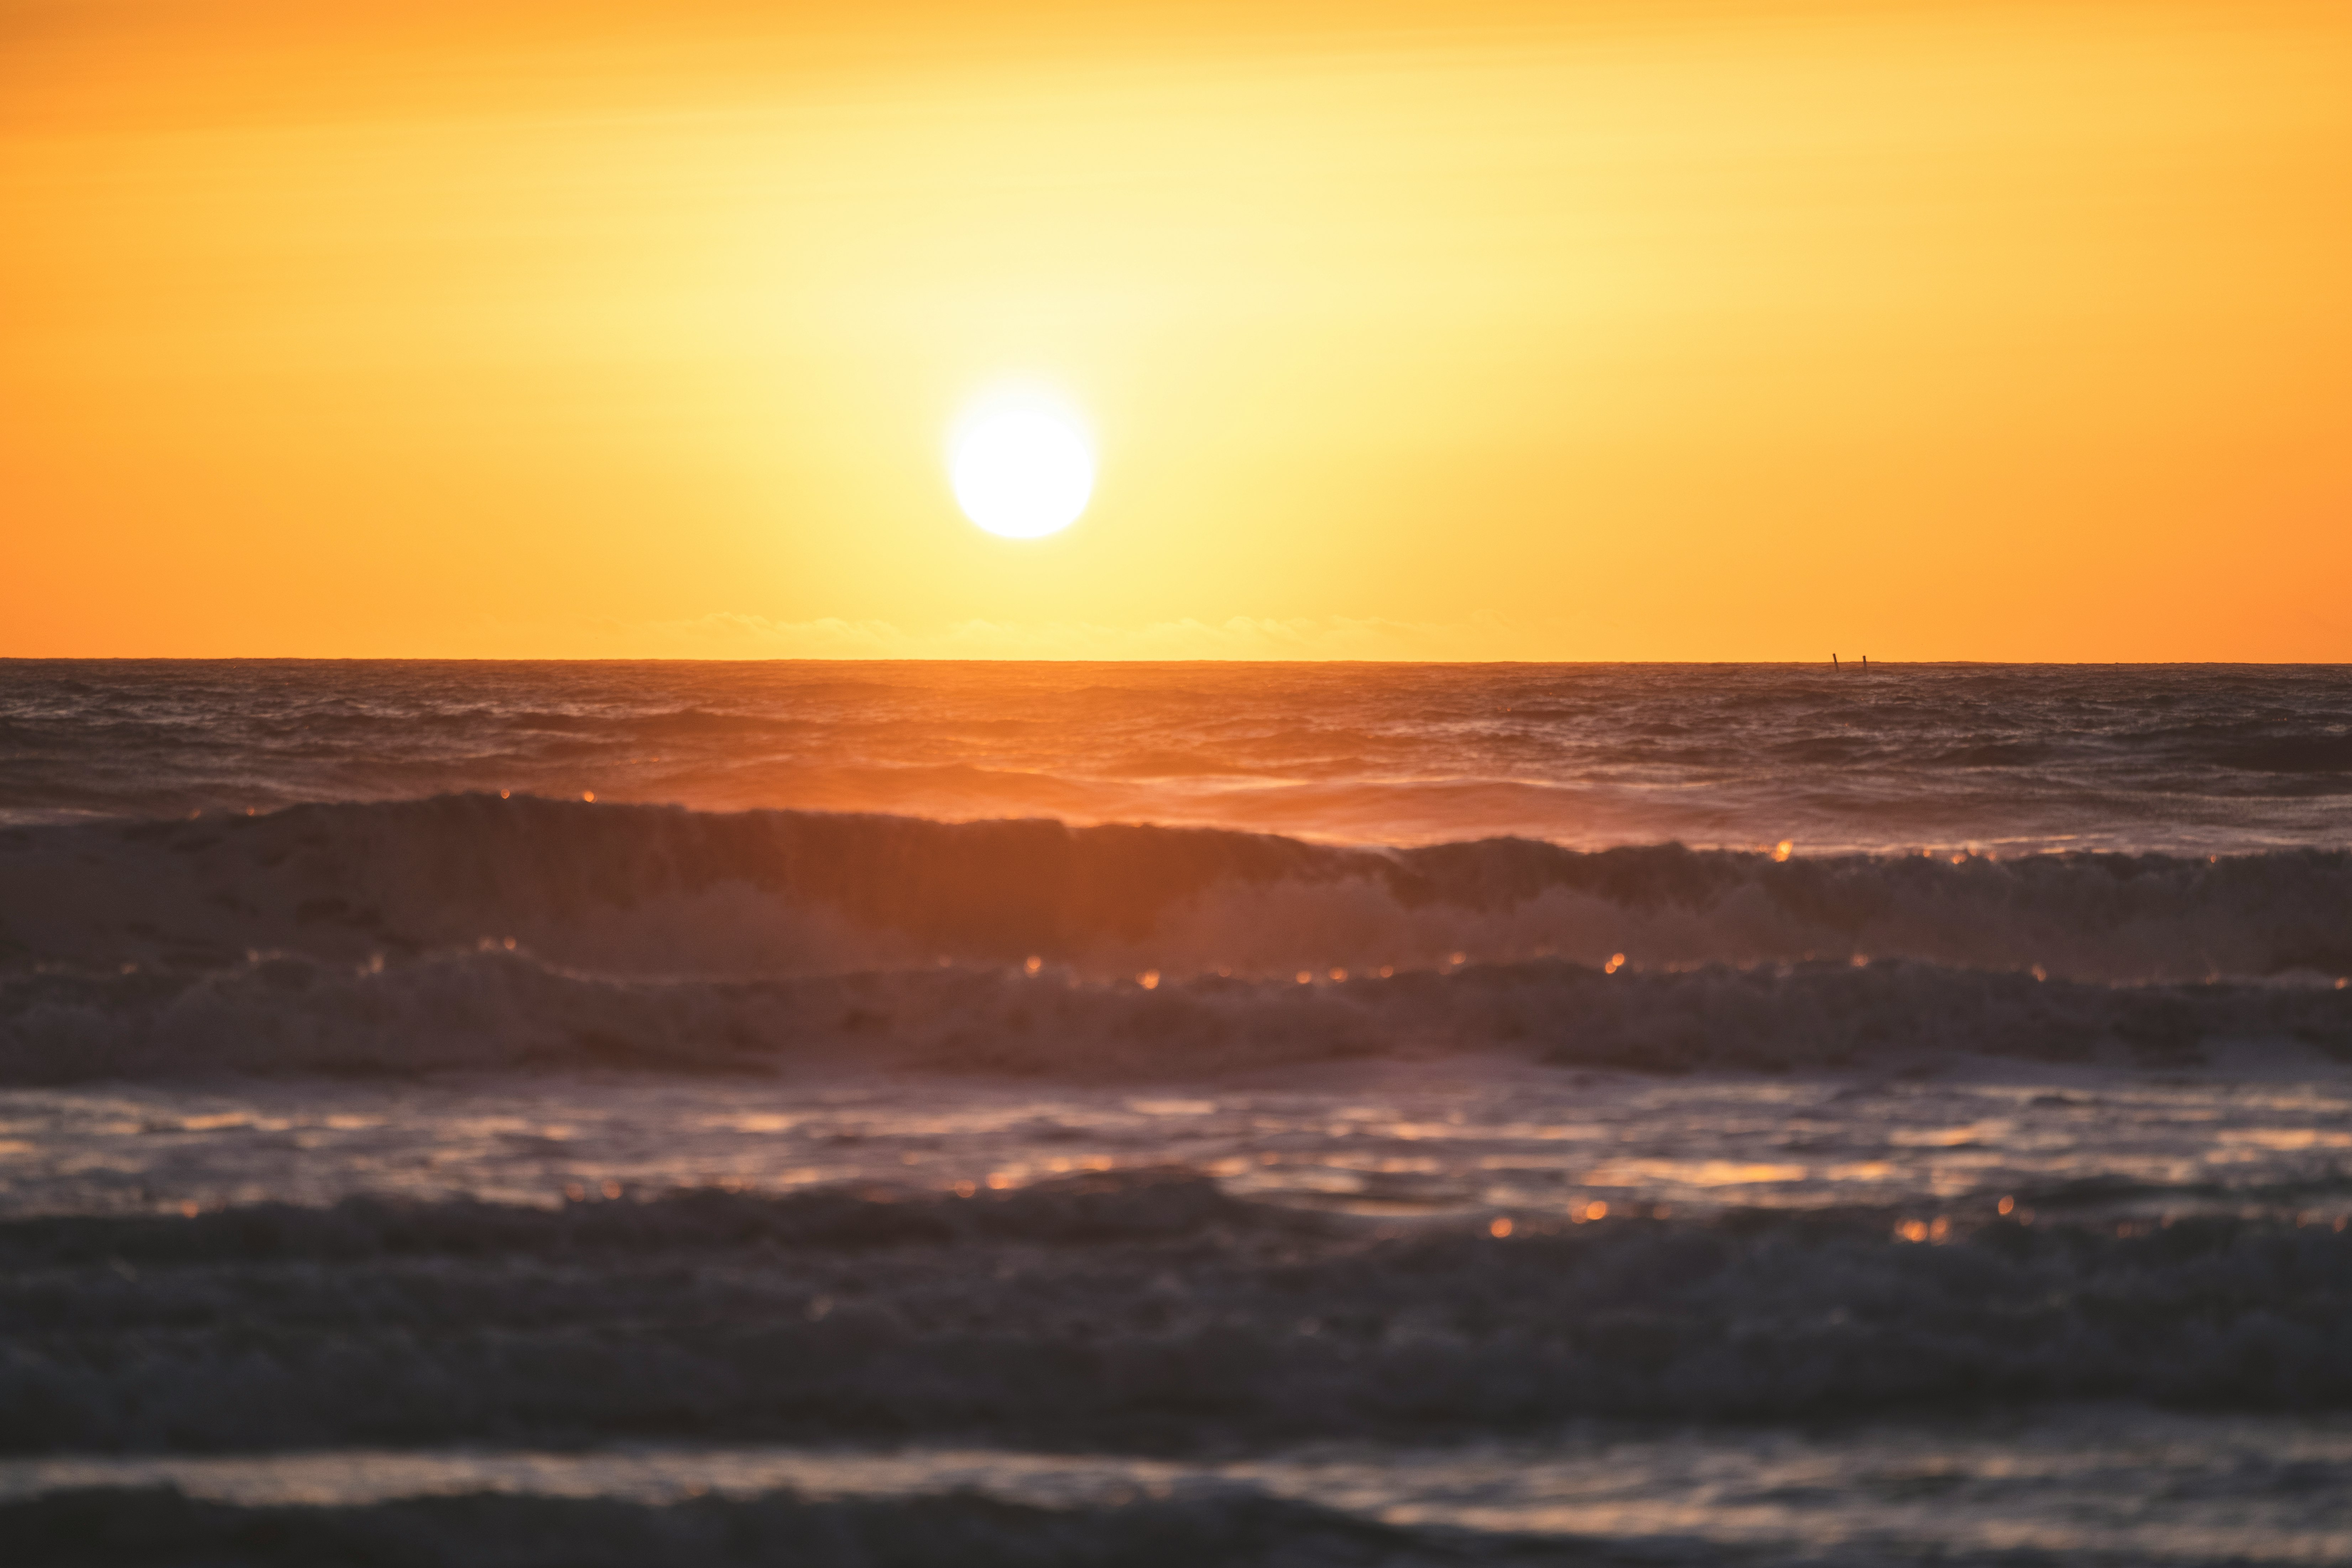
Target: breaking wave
474,931
651,890
1133,1311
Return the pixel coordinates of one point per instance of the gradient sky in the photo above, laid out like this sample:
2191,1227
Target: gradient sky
1606,331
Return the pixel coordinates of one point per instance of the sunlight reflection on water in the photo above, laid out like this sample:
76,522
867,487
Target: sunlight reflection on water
1428,1141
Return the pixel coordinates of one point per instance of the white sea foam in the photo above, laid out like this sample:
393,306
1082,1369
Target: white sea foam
2096,1482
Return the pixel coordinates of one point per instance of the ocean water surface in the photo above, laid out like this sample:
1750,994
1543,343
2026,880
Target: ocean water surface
1064,1113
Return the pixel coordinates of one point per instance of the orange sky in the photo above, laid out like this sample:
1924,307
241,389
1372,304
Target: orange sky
1611,331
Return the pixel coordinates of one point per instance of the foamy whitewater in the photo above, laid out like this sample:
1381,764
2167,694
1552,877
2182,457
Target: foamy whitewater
838,1113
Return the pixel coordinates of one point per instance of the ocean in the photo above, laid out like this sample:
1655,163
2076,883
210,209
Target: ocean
1186,1113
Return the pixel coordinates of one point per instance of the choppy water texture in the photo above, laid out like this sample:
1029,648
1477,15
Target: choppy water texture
1452,1144
2190,759
1174,1113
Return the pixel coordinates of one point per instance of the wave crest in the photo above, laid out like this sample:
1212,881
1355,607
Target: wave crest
649,891
1169,1318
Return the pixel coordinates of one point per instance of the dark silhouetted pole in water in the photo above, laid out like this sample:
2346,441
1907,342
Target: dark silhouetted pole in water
1833,663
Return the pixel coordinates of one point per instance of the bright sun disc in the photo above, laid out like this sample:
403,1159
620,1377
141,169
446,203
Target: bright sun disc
1022,474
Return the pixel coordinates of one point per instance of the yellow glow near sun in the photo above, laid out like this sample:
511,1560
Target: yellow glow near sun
1022,472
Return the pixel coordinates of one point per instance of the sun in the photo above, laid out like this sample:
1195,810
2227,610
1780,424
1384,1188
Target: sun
1021,473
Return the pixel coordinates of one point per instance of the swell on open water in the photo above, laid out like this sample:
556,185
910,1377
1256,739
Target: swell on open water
1137,1113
